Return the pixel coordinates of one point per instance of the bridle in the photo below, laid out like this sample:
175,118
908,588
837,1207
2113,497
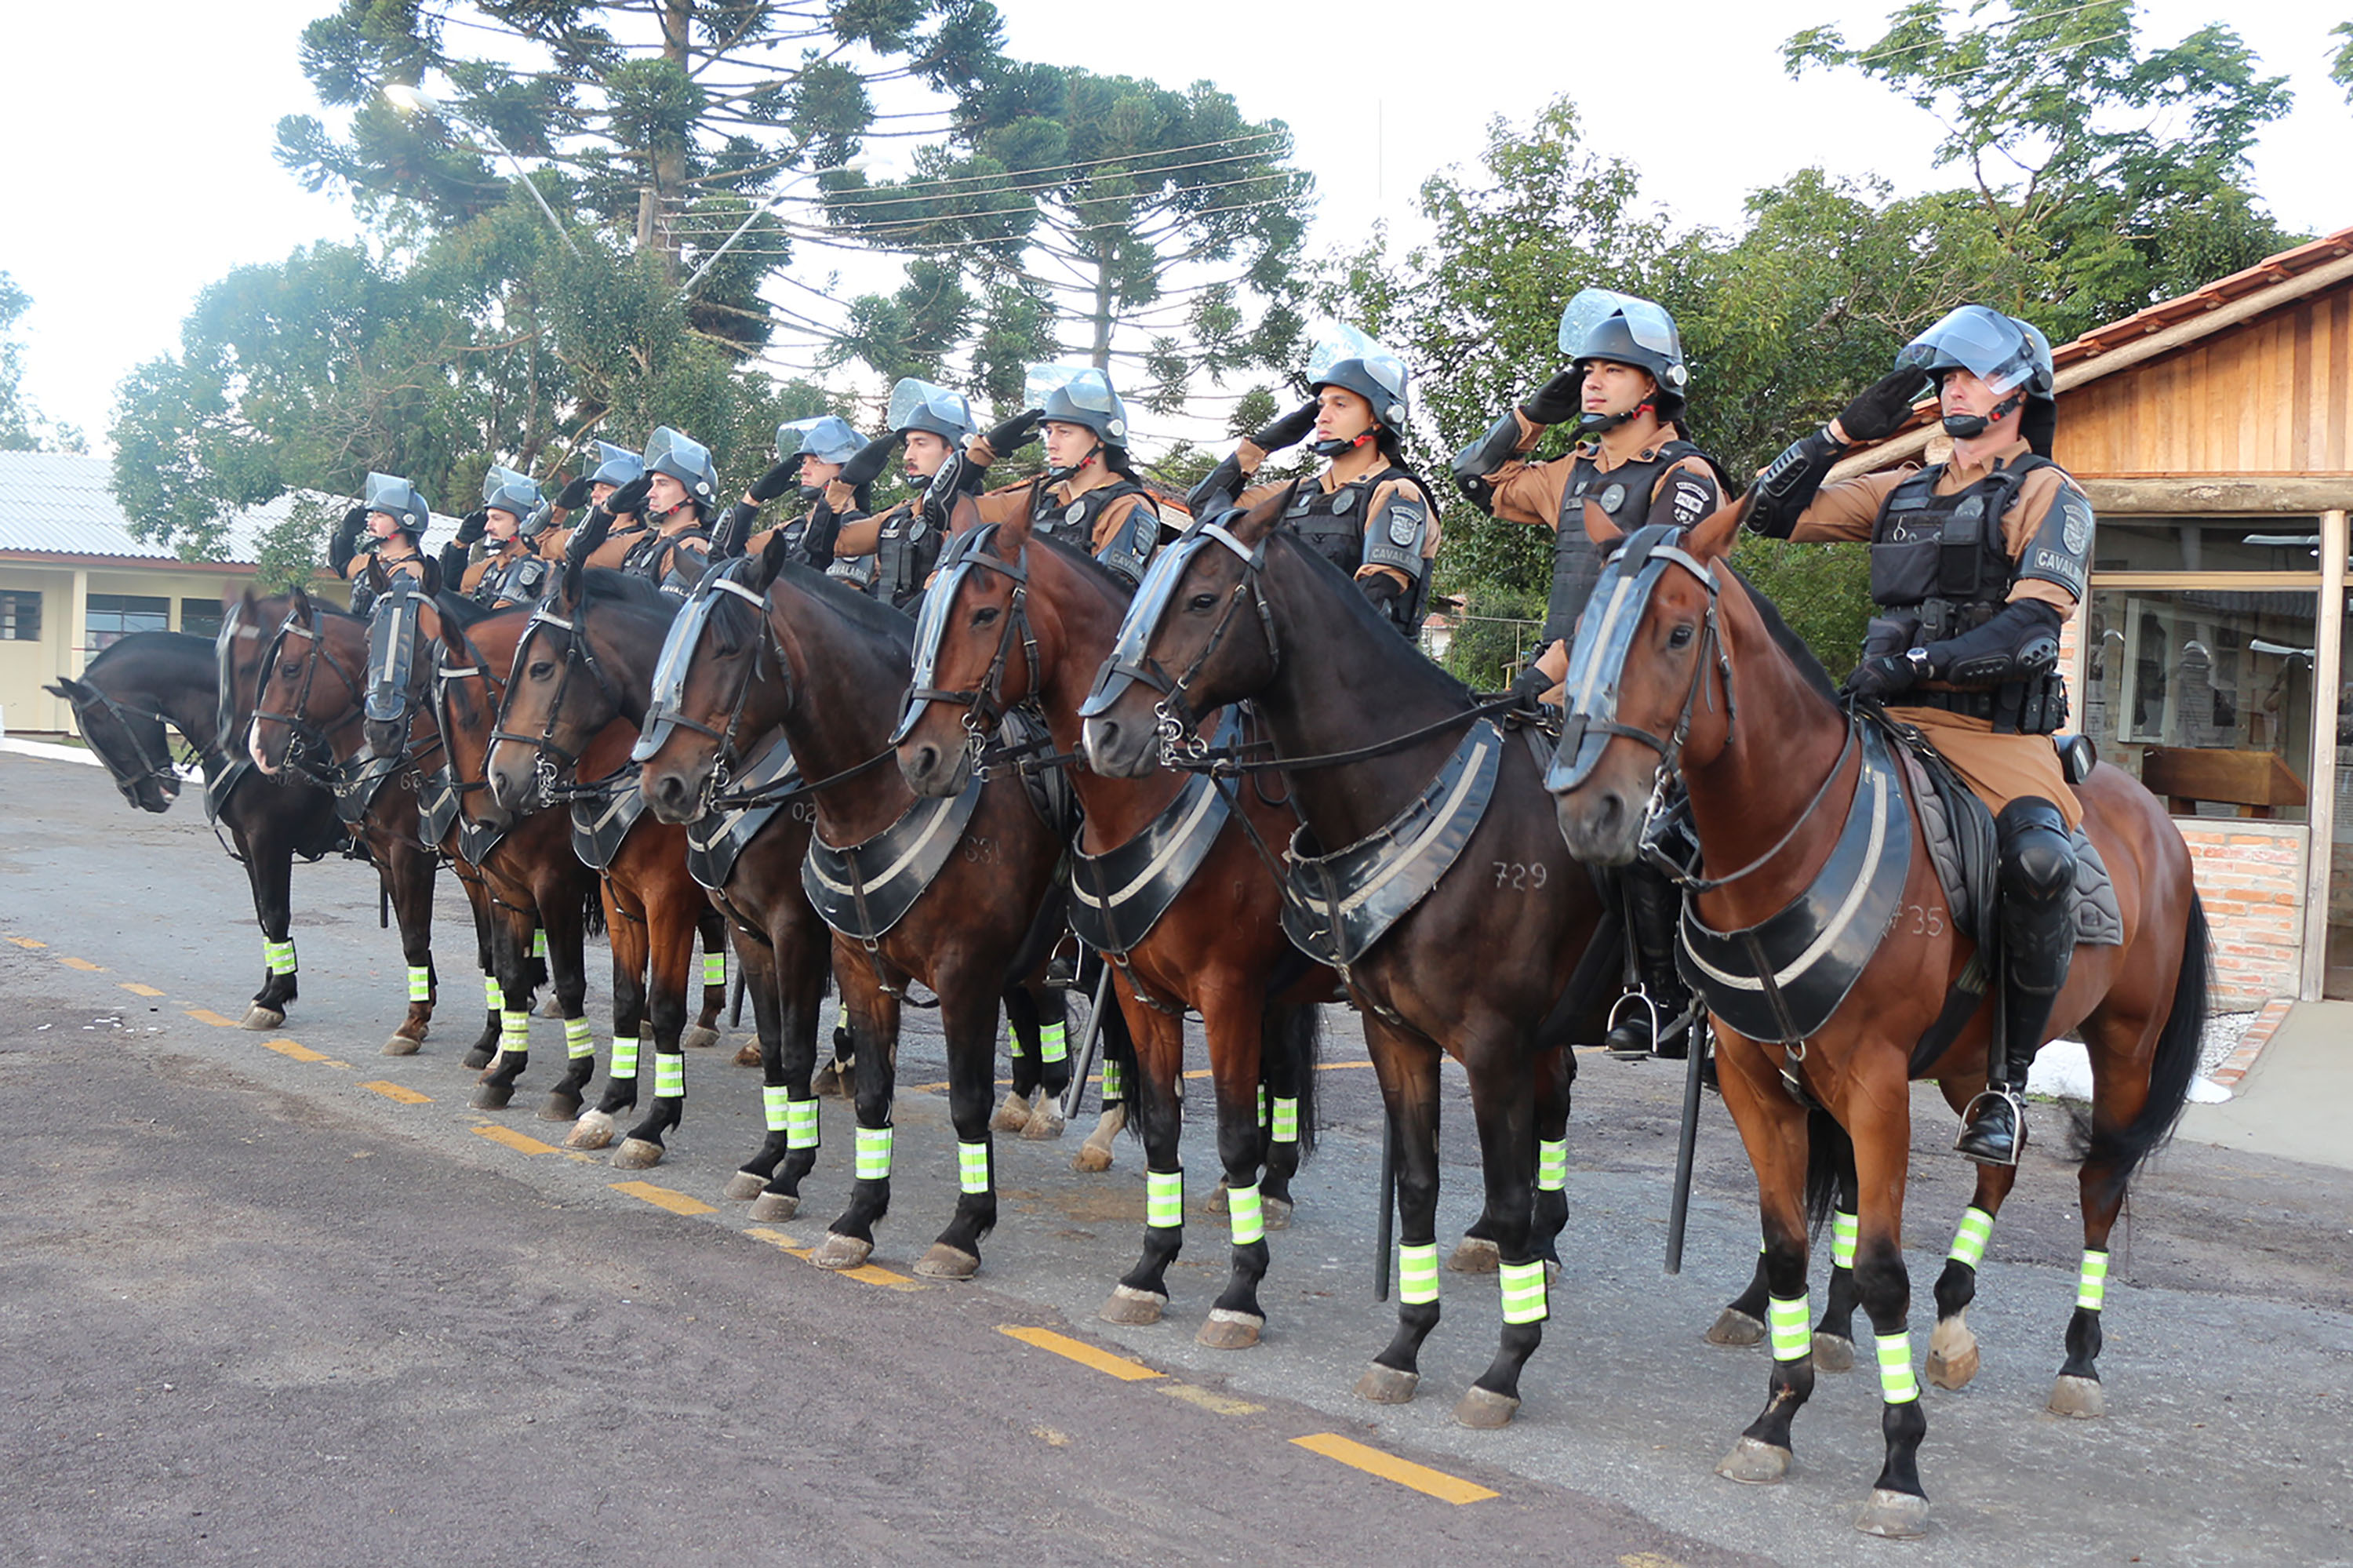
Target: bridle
550,760
161,770
1175,722
305,737
664,714
446,674
984,706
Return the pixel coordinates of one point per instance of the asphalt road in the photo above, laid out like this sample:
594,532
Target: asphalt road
253,1305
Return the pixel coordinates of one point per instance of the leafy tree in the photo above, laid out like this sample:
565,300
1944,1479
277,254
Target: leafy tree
22,428
2340,63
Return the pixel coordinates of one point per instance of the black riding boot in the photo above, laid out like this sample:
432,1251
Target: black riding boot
1653,904
2038,937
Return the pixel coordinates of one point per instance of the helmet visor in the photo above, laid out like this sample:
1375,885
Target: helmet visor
1336,343
616,466
391,493
1985,342
919,405
1646,323
825,438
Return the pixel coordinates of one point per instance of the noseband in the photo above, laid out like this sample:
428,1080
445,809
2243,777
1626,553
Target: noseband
305,739
550,760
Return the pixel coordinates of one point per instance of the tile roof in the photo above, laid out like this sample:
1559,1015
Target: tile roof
58,503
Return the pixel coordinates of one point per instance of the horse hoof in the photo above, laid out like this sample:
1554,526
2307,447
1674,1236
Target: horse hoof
1012,1116
552,1008
1277,1211
1552,1271
636,1154
1484,1410
1753,1463
838,1251
1952,1371
1045,1123
1736,1327
2079,1397
476,1059
1833,1353
698,1038
1476,1255
833,1081
946,1262
1132,1306
1386,1385
594,1130
745,1186
778,1206
747,1054
1216,1202
560,1106
400,1045
1225,1330
489,1095
259,1017
1092,1157
1898,1516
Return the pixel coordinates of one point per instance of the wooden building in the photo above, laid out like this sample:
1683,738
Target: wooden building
2214,435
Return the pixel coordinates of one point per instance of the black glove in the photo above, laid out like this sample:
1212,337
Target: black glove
1533,683
627,500
1379,588
1287,431
1880,678
1015,433
1557,400
345,542
473,526
1219,491
453,561
1884,405
859,470
776,480
575,494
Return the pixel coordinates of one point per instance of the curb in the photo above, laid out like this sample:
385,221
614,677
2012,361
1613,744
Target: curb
2259,1033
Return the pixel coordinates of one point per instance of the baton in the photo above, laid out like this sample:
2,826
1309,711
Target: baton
1699,1040
1382,1231
1088,1042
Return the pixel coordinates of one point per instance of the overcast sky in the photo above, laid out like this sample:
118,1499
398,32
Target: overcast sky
141,169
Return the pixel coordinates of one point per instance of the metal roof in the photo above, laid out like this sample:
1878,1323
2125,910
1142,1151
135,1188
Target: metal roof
60,503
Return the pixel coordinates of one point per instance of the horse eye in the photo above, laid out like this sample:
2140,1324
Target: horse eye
1680,638
542,669
1202,601
985,615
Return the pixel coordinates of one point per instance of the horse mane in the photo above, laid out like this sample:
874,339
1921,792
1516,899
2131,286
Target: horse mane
464,611
1357,606
1086,565
869,615
177,643
605,586
1789,642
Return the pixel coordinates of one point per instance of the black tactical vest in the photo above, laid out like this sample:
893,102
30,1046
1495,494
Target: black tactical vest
1073,523
517,580
654,558
1624,493
1334,527
904,554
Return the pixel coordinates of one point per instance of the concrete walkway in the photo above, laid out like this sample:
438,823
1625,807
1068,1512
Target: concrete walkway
2297,1101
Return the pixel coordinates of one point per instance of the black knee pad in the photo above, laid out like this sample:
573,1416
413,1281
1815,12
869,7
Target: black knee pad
2038,861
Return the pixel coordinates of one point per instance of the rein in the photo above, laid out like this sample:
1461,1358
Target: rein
302,733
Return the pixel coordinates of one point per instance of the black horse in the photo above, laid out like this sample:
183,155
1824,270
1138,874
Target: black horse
123,701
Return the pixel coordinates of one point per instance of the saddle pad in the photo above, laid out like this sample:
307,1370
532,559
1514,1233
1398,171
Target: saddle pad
1117,897
436,807
1968,879
357,786
887,873
715,838
600,826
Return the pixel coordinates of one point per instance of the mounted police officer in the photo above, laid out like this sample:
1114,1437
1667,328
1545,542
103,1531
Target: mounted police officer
1089,497
1624,388
396,517
1976,563
891,555
618,469
1365,513
510,523
809,457
682,489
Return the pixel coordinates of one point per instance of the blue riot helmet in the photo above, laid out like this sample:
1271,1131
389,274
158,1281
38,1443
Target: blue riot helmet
920,406
615,466
2010,357
687,461
391,495
1625,329
825,438
1351,360
1076,395
516,495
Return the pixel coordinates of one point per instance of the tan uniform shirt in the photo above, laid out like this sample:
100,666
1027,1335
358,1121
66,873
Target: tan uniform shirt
1252,455
1531,492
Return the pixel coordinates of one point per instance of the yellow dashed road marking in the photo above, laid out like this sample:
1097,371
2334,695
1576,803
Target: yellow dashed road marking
1078,1351
1647,1560
663,1198
294,1048
135,989
84,965
865,1273
515,1140
1390,1468
207,1015
1214,1403
391,1091
27,942
776,1239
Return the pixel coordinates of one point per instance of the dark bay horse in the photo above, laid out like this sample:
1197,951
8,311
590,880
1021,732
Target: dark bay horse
1674,665
1012,617
1460,920
123,703
961,896
296,708
575,694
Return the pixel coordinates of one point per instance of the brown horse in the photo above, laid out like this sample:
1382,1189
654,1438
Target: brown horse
1674,666
1427,846
1012,617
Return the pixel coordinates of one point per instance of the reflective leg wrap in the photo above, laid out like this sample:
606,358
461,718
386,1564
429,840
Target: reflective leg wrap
539,944
1262,1116
1053,1043
972,1167
873,1154
1552,1165
775,1105
2092,1284
577,1040
280,957
492,996
514,1032
1163,1198
1523,1292
1417,1275
1286,1120
714,967
624,1057
669,1074
1843,1229
1791,1326
1114,1088
1969,1241
840,1013
420,984
1896,1383
800,1123
1248,1212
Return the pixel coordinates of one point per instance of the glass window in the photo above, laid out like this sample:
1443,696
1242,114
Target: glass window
2207,544
2206,694
115,616
20,616
200,618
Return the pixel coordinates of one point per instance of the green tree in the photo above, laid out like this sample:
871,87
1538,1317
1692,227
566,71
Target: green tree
22,426
2340,63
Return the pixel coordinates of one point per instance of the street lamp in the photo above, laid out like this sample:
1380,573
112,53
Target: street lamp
411,99
853,166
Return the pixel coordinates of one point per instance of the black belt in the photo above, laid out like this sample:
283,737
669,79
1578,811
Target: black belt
1971,704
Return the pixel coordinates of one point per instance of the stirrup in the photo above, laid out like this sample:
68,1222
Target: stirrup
1640,996
1970,1116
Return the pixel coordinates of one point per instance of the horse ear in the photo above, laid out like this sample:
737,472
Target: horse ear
65,686
963,514
1598,527
1713,537
773,556
300,611
1012,534
1258,522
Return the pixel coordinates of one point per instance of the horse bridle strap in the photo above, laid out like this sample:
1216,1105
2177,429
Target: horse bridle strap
152,766
300,729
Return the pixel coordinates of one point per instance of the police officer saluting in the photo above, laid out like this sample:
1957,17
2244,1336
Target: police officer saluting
511,519
895,554
1976,563
809,457
396,517
1089,496
1365,513
617,468
682,489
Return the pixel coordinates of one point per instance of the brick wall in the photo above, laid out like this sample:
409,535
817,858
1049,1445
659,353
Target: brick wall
2252,879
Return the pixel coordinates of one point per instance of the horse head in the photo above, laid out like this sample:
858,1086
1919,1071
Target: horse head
976,653
1202,613
1649,686
558,696
716,680
128,736
295,713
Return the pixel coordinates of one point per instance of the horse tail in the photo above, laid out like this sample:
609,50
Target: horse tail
2172,1071
1292,1037
1830,1167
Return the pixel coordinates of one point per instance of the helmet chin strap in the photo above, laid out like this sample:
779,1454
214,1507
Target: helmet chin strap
1334,446
1970,427
1057,475
1590,426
